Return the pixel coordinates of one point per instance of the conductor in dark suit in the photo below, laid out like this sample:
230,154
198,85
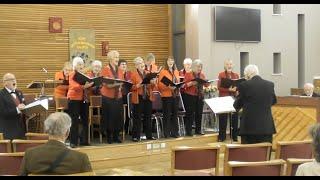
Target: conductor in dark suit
255,96
54,157
11,104
308,90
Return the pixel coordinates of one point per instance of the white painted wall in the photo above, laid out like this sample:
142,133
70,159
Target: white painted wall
278,34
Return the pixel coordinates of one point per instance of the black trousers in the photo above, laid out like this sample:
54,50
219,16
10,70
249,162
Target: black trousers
170,119
252,139
144,107
194,109
77,108
112,117
223,121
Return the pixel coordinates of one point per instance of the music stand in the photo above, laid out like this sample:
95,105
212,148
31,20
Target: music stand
34,109
44,84
222,105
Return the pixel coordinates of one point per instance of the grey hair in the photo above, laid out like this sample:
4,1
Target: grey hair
5,77
76,61
309,85
112,54
187,61
96,62
251,70
138,60
150,56
315,134
57,124
196,63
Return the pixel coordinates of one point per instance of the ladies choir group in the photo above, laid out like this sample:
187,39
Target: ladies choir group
142,95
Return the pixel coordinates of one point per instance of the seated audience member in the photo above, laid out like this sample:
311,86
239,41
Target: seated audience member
54,157
308,90
11,104
312,168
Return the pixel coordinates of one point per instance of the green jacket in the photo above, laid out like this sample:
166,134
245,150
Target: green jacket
38,159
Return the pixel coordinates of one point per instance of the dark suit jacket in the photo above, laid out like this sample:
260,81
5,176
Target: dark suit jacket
313,95
38,159
256,96
11,124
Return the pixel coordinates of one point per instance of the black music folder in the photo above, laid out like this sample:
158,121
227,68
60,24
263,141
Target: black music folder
227,83
82,79
149,77
168,82
106,80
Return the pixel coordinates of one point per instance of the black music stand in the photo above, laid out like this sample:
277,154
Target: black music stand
44,84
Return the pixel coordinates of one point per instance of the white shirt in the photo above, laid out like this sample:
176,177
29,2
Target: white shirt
309,169
14,96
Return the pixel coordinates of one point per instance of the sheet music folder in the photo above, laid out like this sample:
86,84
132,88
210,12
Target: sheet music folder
149,77
168,82
46,84
36,107
82,79
221,104
227,83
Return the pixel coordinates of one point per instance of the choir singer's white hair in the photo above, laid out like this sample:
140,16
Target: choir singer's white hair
76,61
96,63
187,61
137,61
251,70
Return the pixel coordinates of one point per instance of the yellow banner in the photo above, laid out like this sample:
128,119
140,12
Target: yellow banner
82,43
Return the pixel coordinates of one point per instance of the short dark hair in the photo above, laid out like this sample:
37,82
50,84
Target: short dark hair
122,61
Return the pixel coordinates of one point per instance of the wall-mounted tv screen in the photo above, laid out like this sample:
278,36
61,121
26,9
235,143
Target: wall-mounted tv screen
237,24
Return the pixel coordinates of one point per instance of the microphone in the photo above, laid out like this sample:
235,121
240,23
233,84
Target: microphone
43,69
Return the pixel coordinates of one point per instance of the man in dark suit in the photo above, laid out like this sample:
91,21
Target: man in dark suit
308,90
54,157
255,96
11,104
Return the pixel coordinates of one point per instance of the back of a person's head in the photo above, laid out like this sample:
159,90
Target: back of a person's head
315,134
57,124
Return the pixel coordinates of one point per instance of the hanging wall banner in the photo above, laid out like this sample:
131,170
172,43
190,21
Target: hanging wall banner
82,43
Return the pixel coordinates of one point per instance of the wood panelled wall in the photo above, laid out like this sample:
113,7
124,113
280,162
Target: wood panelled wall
26,46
